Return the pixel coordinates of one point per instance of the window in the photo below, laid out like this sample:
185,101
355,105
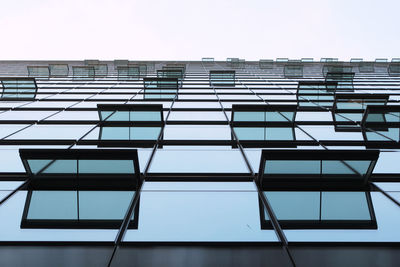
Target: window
128,72
318,188
344,80
18,88
83,72
137,124
78,188
381,124
280,167
335,68
170,73
237,63
315,94
222,77
38,71
394,69
348,109
253,124
100,70
293,71
320,209
142,69
160,88
58,70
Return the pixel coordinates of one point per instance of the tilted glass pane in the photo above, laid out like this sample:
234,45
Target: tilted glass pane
144,133
344,206
295,205
52,166
292,167
87,166
104,205
53,205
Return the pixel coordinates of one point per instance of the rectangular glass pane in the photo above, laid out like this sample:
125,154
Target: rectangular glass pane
53,205
106,166
104,205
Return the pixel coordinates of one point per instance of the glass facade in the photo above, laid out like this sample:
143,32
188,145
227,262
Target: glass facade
275,153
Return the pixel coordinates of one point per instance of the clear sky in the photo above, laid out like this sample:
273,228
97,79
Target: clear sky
190,30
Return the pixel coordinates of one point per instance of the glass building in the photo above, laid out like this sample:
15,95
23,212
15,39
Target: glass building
200,163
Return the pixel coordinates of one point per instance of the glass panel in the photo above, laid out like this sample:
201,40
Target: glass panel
106,166
292,167
344,206
53,205
295,205
56,166
103,205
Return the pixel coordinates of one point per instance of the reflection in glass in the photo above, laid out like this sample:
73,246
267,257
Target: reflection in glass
320,209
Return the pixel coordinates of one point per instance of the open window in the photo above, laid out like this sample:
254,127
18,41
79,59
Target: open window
83,72
335,67
100,69
316,94
348,109
59,70
394,68
130,125
79,188
160,88
344,80
18,88
381,125
128,72
38,71
175,66
171,73
318,189
263,125
293,71
222,77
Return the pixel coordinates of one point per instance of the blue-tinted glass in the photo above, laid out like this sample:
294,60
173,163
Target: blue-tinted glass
295,205
292,167
37,165
56,166
114,133
145,116
348,116
118,116
106,166
279,133
279,116
62,166
249,116
344,206
250,133
360,166
335,167
48,205
387,135
144,133
103,205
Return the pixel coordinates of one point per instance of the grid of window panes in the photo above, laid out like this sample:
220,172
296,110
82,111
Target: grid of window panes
199,167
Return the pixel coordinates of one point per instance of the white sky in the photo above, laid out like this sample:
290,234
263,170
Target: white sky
190,30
